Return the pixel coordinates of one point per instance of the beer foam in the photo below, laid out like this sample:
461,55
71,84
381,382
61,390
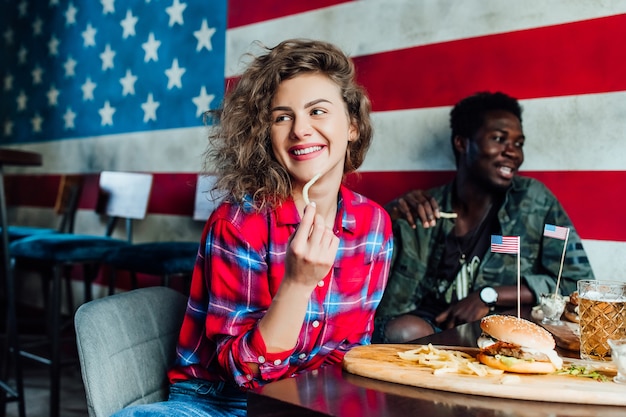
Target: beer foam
600,296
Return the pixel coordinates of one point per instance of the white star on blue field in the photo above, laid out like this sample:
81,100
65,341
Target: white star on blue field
75,69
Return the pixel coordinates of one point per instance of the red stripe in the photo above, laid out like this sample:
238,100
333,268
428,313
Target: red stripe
574,58
589,197
385,186
172,193
245,12
31,190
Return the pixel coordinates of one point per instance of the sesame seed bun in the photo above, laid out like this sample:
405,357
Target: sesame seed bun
515,330
520,346
519,367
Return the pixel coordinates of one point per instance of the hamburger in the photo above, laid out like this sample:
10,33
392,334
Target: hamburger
517,345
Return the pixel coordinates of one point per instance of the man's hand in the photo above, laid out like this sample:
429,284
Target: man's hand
467,310
415,204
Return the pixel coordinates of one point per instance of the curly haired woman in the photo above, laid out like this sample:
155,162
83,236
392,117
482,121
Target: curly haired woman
280,286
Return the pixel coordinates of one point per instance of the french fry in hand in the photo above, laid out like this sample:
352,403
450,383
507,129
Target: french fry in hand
445,215
305,190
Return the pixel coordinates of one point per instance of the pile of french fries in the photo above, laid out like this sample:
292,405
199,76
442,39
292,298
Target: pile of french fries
444,361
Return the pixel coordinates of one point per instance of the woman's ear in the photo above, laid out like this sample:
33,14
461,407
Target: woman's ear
353,132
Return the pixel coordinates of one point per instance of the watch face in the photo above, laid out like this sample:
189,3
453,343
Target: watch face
488,295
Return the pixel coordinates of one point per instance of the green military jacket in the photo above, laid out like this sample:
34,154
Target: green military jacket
527,207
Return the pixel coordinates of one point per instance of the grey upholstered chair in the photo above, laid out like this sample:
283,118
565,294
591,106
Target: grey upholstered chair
126,342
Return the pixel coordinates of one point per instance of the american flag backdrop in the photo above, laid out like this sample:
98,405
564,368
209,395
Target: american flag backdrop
77,69
171,60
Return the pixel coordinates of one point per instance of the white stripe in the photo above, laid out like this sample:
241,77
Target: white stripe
357,26
604,257
572,133
174,150
410,140
575,133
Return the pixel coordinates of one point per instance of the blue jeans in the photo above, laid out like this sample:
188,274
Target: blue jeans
194,398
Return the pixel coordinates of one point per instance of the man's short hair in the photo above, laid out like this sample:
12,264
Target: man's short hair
468,115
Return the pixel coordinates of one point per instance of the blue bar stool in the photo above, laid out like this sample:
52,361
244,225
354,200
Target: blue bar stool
11,392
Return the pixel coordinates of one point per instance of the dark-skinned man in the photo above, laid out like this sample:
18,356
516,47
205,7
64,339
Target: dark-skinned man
443,272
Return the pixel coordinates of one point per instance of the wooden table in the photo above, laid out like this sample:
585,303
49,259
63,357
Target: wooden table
333,392
15,158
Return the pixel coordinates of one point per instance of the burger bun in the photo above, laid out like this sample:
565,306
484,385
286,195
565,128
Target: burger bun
517,366
518,331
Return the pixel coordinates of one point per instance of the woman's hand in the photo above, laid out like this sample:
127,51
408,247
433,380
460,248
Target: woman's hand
311,251
415,204
310,255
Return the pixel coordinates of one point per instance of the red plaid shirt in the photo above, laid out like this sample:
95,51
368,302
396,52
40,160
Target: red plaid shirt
238,271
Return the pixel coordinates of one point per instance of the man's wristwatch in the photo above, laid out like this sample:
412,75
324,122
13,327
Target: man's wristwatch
489,296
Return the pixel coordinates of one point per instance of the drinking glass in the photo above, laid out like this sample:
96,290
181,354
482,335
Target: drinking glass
602,312
618,354
552,306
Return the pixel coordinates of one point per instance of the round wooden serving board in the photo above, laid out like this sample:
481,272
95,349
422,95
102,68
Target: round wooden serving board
383,363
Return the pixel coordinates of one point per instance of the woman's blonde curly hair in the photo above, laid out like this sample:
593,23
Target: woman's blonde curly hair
240,150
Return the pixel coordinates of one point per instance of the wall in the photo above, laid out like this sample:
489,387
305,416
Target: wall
564,60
